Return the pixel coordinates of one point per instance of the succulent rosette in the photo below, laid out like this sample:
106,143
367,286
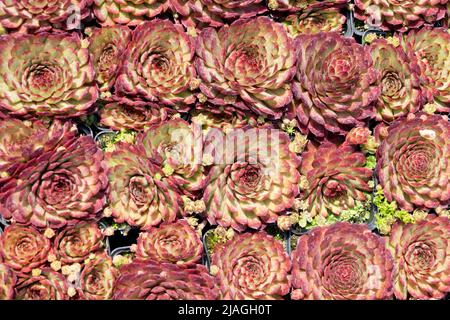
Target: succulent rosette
316,21
158,65
422,258
149,280
335,85
140,196
128,12
304,5
337,178
248,64
20,141
343,261
217,12
124,114
400,83
431,48
358,136
23,248
74,244
107,46
7,282
252,266
400,15
177,146
46,75
176,242
49,285
254,179
413,162
30,16
98,278
60,187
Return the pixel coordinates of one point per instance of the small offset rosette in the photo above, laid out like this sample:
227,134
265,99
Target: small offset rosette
74,244
149,280
48,285
177,243
98,278
252,266
24,248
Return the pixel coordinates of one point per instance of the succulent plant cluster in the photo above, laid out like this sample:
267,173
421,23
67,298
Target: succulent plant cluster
224,150
70,263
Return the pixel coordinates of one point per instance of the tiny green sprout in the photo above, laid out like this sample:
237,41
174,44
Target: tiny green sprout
371,162
388,213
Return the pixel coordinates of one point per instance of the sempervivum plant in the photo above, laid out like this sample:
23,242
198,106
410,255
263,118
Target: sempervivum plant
217,12
176,146
98,278
422,257
312,22
171,242
47,285
254,179
304,5
7,282
61,186
337,178
342,261
127,12
149,280
107,46
413,162
431,48
400,15
21,141
125,114
139,195
252,266
335,84
400,84
46,75
29,16
248,64
158,65
74,244
23,248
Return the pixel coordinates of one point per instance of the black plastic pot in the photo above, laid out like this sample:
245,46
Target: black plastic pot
3,223
358,33
103,226
84,130
206,259
377,32
374,211
119,240
101,134
120,250
99,129
348,24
